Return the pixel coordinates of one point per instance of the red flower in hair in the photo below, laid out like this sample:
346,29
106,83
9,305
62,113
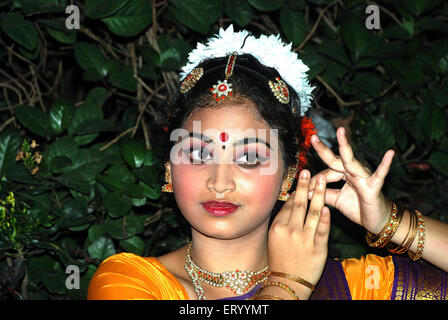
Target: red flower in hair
308,129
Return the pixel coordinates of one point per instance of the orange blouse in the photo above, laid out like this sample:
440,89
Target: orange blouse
126,276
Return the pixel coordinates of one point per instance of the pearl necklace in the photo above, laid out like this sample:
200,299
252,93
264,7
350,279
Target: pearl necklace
238,281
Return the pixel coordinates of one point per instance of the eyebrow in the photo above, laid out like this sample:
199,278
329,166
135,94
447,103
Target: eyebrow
243,141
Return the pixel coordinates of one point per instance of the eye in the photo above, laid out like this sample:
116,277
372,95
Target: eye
250,160
198,155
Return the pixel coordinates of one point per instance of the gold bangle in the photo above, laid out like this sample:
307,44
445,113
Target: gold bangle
268,297
388,230
292,277
404,246
281,285
421,237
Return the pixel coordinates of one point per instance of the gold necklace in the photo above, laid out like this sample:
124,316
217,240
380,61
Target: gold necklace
238,281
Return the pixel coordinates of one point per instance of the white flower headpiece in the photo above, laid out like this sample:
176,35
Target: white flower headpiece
269,50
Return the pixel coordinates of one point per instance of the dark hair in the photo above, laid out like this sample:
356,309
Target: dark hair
249,82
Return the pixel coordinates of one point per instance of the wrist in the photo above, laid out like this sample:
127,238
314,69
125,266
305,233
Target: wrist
302,291
386,211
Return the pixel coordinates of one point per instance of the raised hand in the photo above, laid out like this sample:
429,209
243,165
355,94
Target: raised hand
297,241
360,199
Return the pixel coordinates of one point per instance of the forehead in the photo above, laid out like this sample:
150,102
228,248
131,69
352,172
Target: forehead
240,116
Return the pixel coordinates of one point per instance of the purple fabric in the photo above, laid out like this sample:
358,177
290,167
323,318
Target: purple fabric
332,285
418,280
245,296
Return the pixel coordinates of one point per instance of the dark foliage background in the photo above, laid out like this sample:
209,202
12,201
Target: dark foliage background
78,177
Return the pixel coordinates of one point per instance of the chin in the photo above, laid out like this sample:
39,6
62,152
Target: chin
228,229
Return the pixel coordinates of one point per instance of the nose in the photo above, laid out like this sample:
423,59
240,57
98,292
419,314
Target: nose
221,180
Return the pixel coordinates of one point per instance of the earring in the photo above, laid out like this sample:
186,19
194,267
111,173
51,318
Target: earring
284,195
167,187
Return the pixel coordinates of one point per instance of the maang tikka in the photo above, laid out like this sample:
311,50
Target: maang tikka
223,89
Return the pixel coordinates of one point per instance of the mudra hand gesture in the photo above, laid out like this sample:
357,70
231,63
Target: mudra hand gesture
360,199
298,237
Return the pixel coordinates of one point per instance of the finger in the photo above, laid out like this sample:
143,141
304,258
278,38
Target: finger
300,203
351,165
316,204
384,167
331,195
323,228
284,213
330,176
327,156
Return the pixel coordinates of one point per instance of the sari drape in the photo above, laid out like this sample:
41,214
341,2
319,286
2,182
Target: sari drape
127,276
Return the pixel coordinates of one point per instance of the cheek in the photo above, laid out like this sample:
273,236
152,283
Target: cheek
186,182
261,189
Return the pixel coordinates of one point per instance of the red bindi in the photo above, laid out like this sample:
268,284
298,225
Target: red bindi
223,137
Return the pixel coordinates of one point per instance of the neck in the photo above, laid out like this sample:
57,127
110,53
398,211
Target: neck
248,252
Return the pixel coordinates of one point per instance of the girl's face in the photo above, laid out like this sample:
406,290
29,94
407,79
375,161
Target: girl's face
229,171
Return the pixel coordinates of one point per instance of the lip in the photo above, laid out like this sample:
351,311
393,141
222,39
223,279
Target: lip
219,208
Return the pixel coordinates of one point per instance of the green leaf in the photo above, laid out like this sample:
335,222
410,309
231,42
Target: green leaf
368,82
153,193
406,72
102,8
64,146
419,7
443,64
4,2
123,77
380,134
293,24
439,162
148,174
72,210
355,36
335,51
47,270
94,75
68,36
61,114
89,57
133,245
320,2
94,233
117,204
124,227
130,20
238,11
20,30
197,15
266,5
74,180
101,248
133,191
9,147
97,96
94,126
34,120
17,172
32,7
110,182
174,53
121,172
83,114
59,163
133,151
433,122
315,61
